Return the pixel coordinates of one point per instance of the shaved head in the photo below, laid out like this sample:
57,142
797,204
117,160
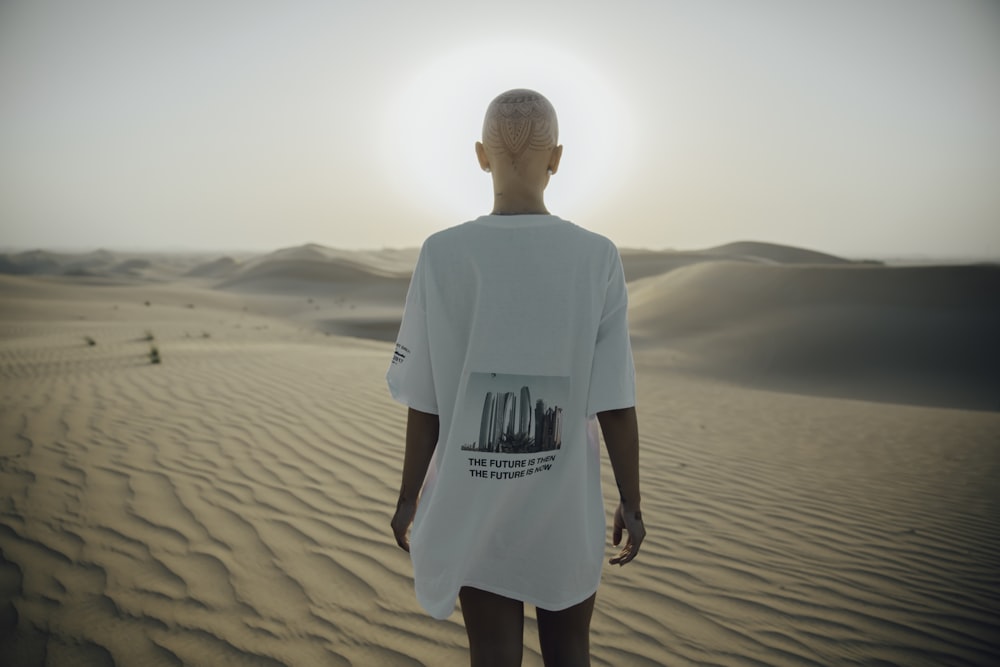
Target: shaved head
520,120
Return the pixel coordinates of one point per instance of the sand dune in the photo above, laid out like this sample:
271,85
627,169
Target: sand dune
905,334
216,268
285,275
230,505
641,264
775,252
313,262
34,262
144,267
357,294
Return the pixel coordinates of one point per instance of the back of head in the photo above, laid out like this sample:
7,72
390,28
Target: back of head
520,120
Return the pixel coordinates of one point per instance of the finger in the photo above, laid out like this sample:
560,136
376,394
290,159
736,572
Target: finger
627,554
632,553
621,554
616,534
401,539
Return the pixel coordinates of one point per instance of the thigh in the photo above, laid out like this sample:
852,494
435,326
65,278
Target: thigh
565,635
495,625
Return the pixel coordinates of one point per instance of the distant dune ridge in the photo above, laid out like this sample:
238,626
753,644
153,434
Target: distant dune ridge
819,450
310,267
781,254
216,268
755,313
927,335
644,263
789,318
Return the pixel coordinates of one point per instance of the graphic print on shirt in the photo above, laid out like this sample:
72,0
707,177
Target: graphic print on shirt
513,414
511,426
399,356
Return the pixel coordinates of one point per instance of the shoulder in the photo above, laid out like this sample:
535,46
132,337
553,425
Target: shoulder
446,239
596,246
598,241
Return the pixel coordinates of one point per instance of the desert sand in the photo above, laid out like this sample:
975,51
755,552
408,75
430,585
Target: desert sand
820,461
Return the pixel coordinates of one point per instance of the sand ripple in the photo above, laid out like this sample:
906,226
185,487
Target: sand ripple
230,507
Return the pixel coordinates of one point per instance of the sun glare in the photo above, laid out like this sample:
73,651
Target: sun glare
436,118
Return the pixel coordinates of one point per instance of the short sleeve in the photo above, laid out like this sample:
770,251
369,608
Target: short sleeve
410,377
612,375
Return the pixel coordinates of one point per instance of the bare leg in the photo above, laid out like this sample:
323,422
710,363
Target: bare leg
565,635
495,626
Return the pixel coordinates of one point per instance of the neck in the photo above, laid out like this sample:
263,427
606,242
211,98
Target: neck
510,201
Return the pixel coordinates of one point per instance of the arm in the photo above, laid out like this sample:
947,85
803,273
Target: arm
621,437
421,439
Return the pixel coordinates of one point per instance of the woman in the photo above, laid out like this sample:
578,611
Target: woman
513,348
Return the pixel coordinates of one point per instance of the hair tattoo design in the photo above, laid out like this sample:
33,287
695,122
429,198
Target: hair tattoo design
520,120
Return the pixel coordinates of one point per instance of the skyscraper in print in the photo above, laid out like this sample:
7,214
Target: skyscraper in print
525,410
486,425
508,425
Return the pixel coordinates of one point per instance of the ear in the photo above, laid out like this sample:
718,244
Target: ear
554,159
484,160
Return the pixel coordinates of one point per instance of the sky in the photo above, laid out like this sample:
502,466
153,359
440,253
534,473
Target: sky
867,128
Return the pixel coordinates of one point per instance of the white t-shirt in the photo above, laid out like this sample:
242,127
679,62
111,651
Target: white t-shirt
515,335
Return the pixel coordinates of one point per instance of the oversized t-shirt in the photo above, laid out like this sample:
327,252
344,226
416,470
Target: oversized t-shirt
515,334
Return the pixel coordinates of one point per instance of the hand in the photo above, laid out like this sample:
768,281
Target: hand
630,521
401,520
